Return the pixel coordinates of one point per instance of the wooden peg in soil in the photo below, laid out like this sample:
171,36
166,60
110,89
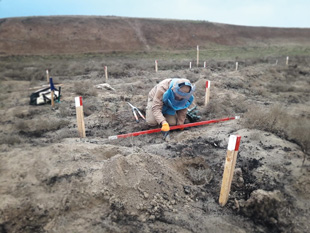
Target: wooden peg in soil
229,168
237,64
106,73
80,116
190,65
197,55
47,76
207,98
204,64
52,99
156,66
287,58
52,92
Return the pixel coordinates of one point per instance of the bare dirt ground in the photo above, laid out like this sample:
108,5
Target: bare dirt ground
53,181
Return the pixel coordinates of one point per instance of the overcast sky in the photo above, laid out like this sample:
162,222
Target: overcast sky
269,13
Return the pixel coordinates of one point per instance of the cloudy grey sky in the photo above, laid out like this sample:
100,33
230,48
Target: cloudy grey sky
269,13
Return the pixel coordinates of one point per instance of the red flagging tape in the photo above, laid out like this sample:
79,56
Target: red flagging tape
237,143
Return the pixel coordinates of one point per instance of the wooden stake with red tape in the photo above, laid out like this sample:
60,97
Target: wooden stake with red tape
80,116
230,163
207,98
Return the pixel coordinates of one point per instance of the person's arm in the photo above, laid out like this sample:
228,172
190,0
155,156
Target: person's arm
157,106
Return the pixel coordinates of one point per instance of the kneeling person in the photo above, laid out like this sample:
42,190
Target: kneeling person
168,102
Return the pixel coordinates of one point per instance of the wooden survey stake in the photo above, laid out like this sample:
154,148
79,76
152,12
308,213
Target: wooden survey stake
190,65
52,99
80,116
287,58
156,66
52,92
204,64
237,66
197,55
230,163
106,73
207,98
47,76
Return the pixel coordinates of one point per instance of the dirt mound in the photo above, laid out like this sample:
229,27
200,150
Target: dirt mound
81,34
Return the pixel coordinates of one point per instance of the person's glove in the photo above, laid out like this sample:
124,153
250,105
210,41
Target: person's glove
165,128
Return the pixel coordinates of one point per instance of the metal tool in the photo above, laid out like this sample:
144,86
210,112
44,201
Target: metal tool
134,110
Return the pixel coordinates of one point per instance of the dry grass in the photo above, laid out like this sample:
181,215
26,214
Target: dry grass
277,121
85,88
37,127
12,139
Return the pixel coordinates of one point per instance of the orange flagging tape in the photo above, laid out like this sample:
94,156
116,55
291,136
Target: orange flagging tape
171,128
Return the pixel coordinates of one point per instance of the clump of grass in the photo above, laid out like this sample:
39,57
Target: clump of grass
224,106
11,139
85,88
37,127
277,121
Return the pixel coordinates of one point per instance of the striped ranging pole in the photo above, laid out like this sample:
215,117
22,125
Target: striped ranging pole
207,98
106,73
287,58
80,116
204,64
156,66
47,76
150,131
197,55
237,64
230,163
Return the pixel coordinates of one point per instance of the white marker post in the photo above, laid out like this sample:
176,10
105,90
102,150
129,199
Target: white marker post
106,73
204,64
230,163
207,98
287,58
80,116
156,66
190,65
237,66
197,55
47,76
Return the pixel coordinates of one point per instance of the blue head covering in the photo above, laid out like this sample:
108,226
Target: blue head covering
175,99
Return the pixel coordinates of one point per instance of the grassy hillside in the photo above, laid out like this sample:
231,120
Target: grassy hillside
85,34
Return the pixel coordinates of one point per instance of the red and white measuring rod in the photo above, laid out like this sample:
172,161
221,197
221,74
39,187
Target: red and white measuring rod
172,128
